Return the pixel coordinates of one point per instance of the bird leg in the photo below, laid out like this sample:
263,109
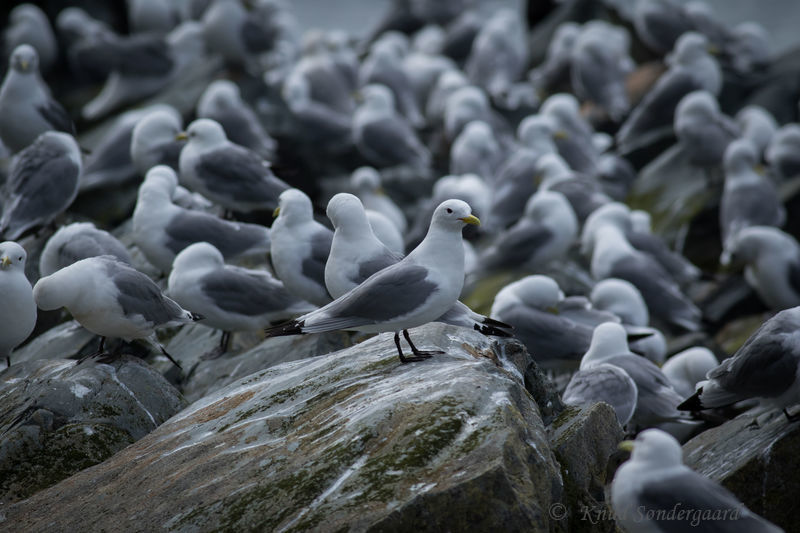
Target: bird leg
101,351
8,361
224,343
419,352
403,358
174,362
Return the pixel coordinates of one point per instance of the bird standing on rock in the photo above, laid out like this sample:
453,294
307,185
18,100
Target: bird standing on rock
18,314
410,293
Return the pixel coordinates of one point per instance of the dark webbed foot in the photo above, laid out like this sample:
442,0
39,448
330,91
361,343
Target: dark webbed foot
418,356
417,352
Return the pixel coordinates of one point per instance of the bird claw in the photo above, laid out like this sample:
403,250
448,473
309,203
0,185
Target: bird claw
428,352
414,358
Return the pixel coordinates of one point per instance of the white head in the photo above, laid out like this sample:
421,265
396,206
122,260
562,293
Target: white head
537,291
200,255
378,97
740,155
160,178
534,130
551,207
452,215
656,449
220,94
689,47
346,211
24,59
294,206
749,243
608,339
697,105
12,257
205,132
621,298
614,213
365,179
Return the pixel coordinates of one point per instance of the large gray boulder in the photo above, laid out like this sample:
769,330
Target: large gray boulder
758,463
58,418
353,440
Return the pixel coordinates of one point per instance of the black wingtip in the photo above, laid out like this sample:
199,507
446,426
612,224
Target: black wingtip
487,329
692,403
292,327
196,316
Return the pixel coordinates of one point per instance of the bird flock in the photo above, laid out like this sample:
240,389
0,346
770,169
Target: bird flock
325,181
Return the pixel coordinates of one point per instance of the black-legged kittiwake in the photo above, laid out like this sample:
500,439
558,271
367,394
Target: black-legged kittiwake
18,313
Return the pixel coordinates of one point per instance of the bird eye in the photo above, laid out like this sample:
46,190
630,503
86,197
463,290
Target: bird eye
19,258
449,210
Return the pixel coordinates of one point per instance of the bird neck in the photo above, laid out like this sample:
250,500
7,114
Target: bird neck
442,242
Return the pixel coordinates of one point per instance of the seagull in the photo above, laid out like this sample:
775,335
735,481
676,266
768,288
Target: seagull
650,490
229,298
410,293
162,229
18,313
153,140
356,254
300,247
78,241
765,367
26,107
657,400
42,184
111,299
230,175
772,264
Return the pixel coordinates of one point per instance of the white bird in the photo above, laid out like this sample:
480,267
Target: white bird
300,247
653,486
18,313
162,229
42,184
772,264
153,140
28,24
606,383
687,368
224,172
657,400
78,241
228,297
26,107
366,184
766,368
111,299
383,136
410,293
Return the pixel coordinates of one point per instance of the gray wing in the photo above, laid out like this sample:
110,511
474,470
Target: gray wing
547,336
583,194
607,383
230,238
139,295
55,115
391,293
754,205
678,266
375,264
656,397
244,129
240,174
516,246
237,291
313,267
41,184
113,152
695,494
662,296
657,108
257,36
91,244
516,184
390,141
141,55
762,367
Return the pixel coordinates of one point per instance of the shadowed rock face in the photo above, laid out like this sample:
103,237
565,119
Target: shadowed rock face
349,440
758,464
60,418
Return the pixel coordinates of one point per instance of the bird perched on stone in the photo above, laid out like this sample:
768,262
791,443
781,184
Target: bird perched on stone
26,107
410,293
229,298
230,175
18,313
111,299
42,183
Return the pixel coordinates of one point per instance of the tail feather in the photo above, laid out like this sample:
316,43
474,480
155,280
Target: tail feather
490,326
692,403
292,327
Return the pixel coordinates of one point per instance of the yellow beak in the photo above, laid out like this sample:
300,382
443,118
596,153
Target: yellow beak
760,170
471,220
5,261
560,135
276,212
713,50
182,136
24,65
626,446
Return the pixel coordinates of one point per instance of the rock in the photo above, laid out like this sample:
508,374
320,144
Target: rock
63,340
583,440
206,376
758,464
353,440
62,417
